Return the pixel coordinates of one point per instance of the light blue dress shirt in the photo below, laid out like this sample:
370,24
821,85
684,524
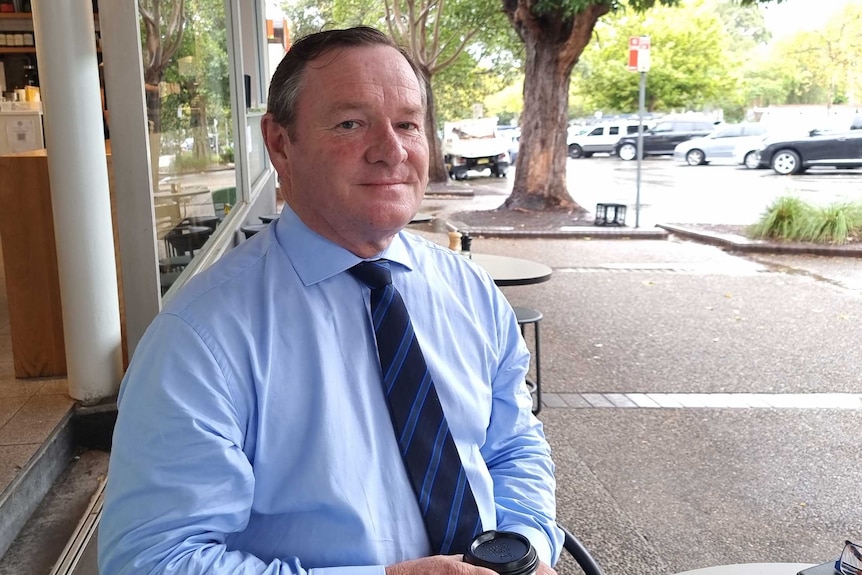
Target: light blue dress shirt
253,433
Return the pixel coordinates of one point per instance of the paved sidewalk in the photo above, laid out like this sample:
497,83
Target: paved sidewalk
702,406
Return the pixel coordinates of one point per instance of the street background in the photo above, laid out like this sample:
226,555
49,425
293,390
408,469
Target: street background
668,489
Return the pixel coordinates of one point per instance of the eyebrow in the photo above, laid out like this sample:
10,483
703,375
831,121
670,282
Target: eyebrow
348,106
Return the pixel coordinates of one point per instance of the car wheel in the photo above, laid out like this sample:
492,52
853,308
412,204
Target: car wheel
628,152
786,162
695,157
751,161
575,151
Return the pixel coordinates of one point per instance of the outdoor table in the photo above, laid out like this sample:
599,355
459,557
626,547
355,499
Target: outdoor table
509,271
421,219
751,569
182,196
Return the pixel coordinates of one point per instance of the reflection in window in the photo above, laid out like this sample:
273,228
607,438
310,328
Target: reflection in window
186,72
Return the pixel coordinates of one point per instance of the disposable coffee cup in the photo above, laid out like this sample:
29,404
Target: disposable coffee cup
505,552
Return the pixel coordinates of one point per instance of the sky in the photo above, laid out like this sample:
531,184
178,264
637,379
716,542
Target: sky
792,16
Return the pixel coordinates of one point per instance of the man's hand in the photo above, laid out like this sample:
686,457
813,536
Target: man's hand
448,565
438,565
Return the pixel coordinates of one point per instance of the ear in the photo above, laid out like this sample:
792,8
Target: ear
276,139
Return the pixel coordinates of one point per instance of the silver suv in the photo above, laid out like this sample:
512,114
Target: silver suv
603,137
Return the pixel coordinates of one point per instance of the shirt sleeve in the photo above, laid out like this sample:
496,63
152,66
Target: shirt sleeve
516,452
179,482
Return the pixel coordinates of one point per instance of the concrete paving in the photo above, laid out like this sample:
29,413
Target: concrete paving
703,481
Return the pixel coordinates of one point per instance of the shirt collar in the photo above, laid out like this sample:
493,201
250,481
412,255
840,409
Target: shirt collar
316,258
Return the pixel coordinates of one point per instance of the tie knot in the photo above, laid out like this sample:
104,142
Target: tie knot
374,274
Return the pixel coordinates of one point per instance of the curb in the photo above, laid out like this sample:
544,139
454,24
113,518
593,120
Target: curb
743,244
576,232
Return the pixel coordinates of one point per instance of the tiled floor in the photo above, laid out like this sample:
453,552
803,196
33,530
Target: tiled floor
29,408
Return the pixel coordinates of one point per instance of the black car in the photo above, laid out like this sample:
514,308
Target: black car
831,149
663,138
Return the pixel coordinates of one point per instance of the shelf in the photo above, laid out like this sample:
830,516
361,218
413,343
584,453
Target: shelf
16,15
18,50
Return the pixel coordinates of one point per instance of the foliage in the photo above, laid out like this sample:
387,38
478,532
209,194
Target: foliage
194,89
185,163
697,49
811,67
835,224
787,218
791,219
226,155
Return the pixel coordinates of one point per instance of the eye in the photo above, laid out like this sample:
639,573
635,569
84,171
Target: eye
408,126
348,125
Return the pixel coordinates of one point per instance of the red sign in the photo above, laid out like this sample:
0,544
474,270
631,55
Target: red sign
639,53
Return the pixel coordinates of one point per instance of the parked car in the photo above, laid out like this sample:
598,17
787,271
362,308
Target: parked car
663,138
838,149
599,138
719,145
747,150
512,134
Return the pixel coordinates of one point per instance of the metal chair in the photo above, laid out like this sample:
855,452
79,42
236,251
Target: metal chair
579,553
250,229
525,316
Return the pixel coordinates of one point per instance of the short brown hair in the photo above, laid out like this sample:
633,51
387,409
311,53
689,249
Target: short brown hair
286,82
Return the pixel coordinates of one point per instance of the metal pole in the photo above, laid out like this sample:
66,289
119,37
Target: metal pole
641,112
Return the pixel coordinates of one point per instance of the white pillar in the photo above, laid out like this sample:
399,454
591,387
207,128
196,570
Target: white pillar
69,79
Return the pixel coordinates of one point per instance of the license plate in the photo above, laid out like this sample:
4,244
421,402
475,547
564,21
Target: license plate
483,161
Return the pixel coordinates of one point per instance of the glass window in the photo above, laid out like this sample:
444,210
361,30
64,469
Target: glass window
733,131
597,132
754,130
186,71
664,127
614,130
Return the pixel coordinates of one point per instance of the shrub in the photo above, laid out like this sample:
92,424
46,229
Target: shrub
226,155
788,218
835,224
189,163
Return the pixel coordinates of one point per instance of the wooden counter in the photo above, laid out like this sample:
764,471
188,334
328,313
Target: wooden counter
30,265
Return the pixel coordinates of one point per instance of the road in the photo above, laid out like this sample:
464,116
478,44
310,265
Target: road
673,192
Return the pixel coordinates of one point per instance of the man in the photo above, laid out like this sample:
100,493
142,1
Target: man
254,434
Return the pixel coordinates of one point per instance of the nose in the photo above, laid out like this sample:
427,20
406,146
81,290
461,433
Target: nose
386,147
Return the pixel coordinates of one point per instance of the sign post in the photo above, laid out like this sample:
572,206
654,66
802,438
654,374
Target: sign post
639,61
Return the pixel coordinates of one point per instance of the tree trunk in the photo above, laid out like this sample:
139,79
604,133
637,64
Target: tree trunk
553,44
436,167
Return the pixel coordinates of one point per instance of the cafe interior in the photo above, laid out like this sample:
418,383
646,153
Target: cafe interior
130,160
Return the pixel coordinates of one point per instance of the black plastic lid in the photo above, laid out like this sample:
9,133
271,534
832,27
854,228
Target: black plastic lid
505,552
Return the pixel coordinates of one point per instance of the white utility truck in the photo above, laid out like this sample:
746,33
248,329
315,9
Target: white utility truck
475,145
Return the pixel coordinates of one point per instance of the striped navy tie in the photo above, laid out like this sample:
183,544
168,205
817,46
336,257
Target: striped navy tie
429,453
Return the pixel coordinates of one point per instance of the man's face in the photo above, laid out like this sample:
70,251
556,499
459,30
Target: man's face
357,167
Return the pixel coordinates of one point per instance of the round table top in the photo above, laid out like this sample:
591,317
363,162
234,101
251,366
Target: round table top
421,218
509,271
751,569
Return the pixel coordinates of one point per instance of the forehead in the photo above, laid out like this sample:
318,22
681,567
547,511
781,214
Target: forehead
351,71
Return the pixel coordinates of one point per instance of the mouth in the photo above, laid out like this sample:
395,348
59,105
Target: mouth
387,183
